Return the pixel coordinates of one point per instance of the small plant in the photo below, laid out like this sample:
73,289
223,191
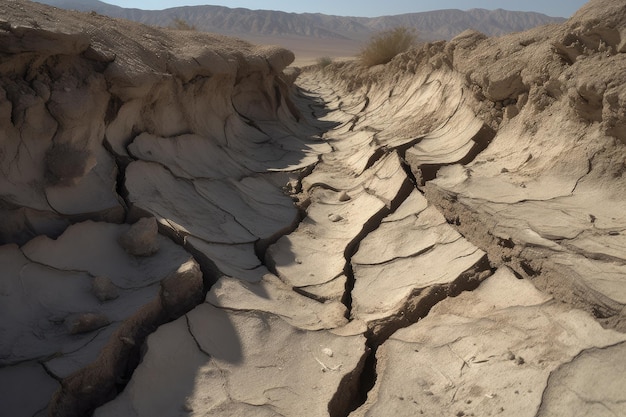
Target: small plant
181,24
324,61
383,46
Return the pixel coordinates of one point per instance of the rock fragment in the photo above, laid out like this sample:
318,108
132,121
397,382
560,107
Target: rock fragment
86,322
141,238
104,289
182,290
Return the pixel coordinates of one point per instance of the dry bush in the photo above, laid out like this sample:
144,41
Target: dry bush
324,61
383,46
181,24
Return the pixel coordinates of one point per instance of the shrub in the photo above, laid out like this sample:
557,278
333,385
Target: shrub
324,61
181,24
383,46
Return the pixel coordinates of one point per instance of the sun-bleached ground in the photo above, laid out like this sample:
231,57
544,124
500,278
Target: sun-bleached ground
309,50
441,235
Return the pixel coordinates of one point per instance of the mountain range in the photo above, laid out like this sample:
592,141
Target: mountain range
434,25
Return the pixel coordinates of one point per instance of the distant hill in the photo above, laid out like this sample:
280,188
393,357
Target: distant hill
440,24
446,24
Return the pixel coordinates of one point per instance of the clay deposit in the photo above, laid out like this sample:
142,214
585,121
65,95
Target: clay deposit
191,227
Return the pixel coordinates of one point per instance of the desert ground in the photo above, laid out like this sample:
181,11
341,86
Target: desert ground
308,52
193,225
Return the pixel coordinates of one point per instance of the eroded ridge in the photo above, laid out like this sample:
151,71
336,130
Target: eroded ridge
521,170
363,242
187,136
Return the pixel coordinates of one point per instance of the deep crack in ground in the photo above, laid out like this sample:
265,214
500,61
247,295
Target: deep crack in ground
428,297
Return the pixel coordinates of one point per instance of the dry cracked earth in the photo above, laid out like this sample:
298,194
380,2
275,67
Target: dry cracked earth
191,228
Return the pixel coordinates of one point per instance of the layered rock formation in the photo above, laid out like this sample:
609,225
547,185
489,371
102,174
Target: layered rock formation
189,135
186,232
518,142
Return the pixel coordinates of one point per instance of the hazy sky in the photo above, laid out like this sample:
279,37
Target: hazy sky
564,8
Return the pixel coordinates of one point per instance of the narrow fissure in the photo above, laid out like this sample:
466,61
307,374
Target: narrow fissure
368,375
367,379
50,373
120,177
193,336
372,224
424,299
350,281
261,246
419,307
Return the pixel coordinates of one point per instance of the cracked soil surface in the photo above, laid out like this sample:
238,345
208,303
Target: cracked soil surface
188,226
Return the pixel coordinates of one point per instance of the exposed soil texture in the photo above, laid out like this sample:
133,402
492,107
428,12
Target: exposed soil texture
191,227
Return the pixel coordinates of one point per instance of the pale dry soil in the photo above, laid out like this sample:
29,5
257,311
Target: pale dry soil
189,227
